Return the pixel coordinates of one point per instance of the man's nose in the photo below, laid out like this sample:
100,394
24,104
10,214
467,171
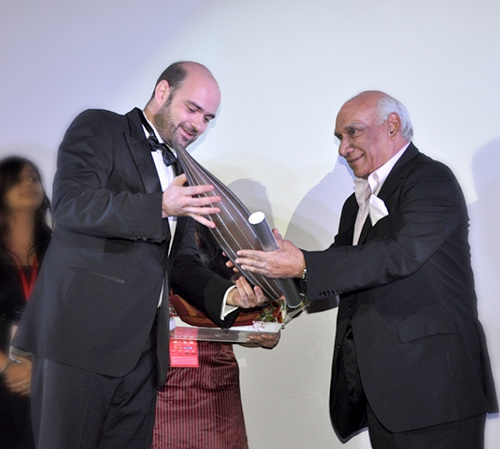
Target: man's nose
197,124
344,147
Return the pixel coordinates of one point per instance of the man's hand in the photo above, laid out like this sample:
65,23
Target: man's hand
245,296
18,376
268,341
285,262
180,201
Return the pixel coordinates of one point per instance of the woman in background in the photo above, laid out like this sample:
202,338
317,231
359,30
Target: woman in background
24,237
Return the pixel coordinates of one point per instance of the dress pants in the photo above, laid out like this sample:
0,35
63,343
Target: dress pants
350,401
77,409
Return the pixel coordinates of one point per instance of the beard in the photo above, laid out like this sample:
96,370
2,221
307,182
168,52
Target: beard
169,131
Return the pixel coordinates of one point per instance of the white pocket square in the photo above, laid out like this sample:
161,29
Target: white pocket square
377,209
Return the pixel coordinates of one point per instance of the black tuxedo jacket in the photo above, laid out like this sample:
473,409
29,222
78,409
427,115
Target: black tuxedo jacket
407,294
97,294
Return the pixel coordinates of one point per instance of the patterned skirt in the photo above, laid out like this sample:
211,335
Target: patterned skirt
200,408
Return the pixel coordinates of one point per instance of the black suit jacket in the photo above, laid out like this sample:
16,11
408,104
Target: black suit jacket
407,293
97,294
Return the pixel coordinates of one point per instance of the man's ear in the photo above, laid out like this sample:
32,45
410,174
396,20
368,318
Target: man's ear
394,124
162,92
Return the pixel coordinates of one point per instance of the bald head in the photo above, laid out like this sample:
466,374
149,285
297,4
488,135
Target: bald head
387,105
185,100
368,97
372,127
176,73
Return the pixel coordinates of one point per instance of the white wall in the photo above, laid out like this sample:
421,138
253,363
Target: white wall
285,67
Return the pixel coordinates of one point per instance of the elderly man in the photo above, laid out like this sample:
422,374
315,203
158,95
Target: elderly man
97,322
410,359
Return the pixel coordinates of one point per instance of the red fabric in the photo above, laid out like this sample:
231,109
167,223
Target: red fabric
200,408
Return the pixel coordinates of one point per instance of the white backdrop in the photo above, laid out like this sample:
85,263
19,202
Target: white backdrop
285,67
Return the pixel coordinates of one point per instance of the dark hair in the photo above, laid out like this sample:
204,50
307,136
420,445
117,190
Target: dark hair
10,172
174,74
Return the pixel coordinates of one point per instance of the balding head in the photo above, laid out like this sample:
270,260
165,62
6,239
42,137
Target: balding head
370,128
177,72
185,99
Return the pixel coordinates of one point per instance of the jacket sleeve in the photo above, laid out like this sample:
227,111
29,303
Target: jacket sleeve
83,199
196,283
427,209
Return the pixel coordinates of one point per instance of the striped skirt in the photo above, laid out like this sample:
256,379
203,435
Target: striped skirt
200,408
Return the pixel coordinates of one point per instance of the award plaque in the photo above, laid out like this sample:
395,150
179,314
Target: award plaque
236,334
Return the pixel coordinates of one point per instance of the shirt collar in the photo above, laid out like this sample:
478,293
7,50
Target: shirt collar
146,131
378,177
157,134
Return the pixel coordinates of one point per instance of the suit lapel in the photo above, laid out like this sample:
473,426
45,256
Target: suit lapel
346,226
346,231
396,176
141,153
365,231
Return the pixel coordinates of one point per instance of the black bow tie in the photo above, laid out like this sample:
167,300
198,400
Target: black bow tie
168,156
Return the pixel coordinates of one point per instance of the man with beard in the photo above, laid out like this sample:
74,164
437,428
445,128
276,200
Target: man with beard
97,321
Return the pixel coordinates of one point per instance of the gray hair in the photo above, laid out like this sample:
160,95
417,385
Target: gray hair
388,105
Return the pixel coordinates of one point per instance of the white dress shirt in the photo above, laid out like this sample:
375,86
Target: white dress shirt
367,191
167,175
